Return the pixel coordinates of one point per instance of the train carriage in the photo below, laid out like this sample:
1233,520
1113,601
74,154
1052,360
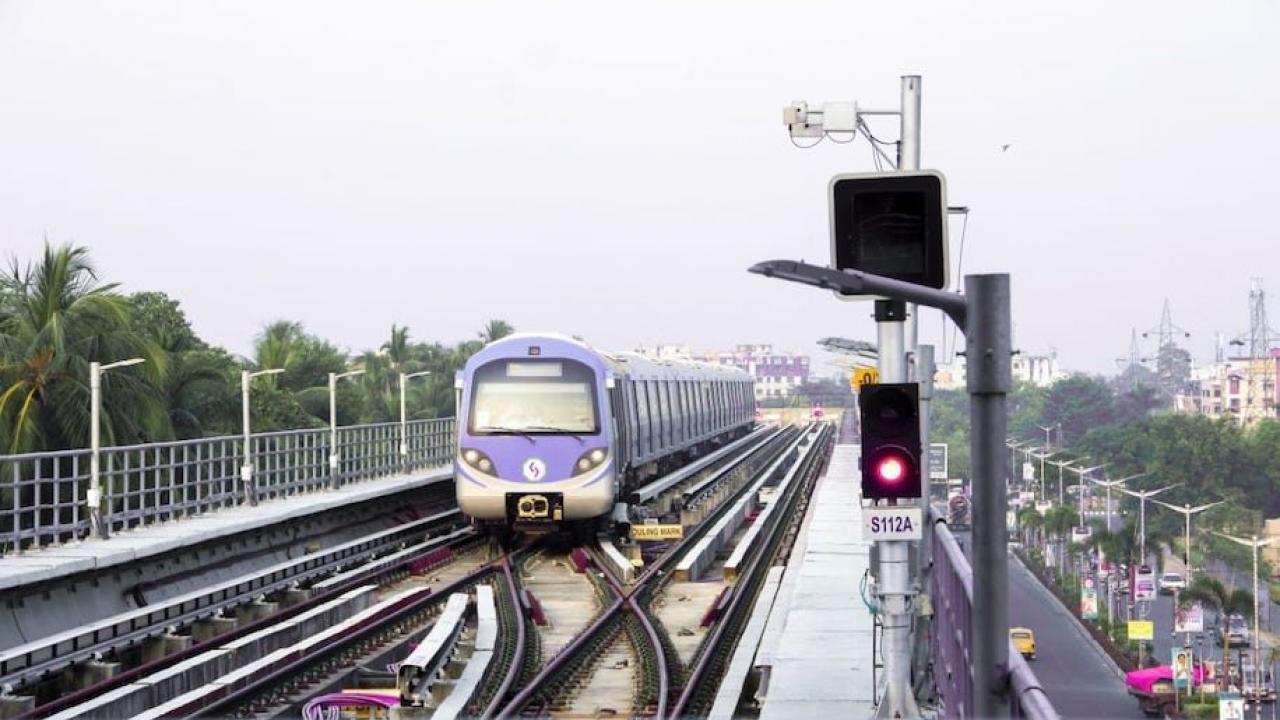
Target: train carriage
552,431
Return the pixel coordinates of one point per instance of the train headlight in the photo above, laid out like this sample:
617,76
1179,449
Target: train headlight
590,460
477,460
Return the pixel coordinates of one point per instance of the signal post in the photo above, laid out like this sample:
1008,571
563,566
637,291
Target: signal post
888,234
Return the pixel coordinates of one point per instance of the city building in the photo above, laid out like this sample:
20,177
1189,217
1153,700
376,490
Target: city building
1038,370
1244,389
777,374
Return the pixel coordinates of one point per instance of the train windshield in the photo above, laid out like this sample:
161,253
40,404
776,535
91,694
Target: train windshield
547,397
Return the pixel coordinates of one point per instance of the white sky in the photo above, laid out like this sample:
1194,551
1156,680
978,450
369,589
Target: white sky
611,169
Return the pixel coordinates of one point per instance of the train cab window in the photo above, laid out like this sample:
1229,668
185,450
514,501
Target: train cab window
534,397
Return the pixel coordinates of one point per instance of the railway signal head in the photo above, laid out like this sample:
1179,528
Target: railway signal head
890,415
891,224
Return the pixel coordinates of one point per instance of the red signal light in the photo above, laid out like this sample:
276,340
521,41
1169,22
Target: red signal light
891,469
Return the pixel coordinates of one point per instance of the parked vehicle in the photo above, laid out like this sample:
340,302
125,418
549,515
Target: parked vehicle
1264,690
1172,582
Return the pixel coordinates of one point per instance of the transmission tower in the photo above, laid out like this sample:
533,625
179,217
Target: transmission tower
1131,364
1258,342
1260,334
1168,374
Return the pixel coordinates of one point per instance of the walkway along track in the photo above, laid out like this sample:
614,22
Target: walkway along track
667,688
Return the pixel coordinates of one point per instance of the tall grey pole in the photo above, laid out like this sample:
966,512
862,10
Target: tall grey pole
924,372
404,425
909,159
95,445
893,574
333,430
988,347
246,466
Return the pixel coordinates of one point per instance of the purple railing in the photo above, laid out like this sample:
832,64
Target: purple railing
951,591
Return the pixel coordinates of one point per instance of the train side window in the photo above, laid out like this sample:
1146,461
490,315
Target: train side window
642,412
655,417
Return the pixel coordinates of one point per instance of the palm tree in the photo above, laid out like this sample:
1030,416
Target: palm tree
398,348
1058,522
1212,594
55,319
279,345
1032,522
495,330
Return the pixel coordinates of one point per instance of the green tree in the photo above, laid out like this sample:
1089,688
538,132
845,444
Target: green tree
495,330
1078,403
56,317
1213,595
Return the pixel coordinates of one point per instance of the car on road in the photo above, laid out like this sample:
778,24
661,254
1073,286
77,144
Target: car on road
1024,641
1263,690
1172,582
1237,631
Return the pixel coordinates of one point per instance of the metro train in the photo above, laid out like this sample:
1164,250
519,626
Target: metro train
552,433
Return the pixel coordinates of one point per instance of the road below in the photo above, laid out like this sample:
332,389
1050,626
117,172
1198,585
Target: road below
1072,670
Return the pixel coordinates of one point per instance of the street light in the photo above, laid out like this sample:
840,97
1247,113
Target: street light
404,427
1065,464
1255,544
1188,511
1084,473
246,468
1108,484
333,422
1044,456
1142,496
95,423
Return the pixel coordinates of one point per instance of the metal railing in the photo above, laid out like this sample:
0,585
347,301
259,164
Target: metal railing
44,496
951,592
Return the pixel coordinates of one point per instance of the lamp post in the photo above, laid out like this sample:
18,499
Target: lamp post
1044,456
1069,464
1187,511
1082,474
246,467
1108,484
94,498
1013,446
1254,544
404,425
1142,496
333,422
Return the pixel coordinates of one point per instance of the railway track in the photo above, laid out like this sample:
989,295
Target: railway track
313,580
624,662
541,631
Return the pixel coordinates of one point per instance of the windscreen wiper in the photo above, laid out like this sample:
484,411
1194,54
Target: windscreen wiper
575,434
498,430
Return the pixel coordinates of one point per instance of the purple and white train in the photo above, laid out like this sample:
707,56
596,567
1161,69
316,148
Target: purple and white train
552,432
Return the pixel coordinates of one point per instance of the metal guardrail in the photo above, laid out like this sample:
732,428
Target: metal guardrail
951,591
43,496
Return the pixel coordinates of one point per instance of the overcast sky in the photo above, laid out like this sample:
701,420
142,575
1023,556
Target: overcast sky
610,170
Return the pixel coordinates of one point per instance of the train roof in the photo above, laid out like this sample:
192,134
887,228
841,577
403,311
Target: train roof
634,364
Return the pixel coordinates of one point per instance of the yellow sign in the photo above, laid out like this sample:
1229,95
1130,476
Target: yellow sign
864,376
1142,630
657,532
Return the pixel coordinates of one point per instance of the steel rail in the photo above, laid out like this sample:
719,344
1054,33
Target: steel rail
126,677
353,635
517,657
624,597
754,575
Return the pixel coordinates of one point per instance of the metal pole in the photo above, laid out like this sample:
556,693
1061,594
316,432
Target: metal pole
909,159
894,557
1142,529
924,372
988,343
1257,638
1061,500
95,478
404,432
1187,543
246,467
333,430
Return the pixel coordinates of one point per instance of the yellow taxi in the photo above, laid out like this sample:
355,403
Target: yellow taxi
1024,641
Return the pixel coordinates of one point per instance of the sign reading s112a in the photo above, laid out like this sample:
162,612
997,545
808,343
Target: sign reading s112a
892,523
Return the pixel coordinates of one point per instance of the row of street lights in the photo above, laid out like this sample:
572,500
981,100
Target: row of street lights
1254,543
94,497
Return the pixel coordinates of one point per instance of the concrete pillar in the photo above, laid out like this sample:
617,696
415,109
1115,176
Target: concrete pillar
162,646
11,706
211,627
94,672
256,611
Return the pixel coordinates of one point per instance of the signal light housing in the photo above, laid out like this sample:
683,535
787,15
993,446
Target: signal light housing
890,415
